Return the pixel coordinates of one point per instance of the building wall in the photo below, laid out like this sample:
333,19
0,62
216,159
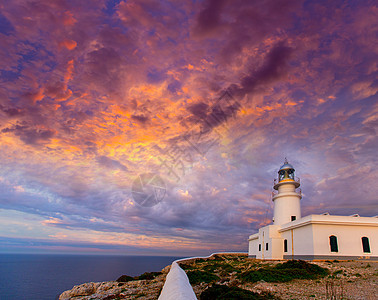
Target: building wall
303,243
308,238
253,246
349,240
267,235
285,207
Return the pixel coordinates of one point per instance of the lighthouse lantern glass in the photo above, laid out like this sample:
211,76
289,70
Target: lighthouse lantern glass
290,173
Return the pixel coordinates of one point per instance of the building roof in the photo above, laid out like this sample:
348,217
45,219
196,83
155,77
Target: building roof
330,220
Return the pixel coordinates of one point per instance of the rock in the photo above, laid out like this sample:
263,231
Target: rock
85,289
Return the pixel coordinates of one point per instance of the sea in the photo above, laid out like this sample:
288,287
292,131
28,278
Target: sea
46,276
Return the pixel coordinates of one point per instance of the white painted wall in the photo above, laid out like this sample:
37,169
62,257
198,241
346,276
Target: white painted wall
266,235
349,239
286,203
253,244
309,236
300,240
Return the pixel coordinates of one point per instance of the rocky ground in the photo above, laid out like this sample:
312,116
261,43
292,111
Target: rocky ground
239,274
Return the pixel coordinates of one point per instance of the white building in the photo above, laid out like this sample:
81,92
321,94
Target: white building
314,236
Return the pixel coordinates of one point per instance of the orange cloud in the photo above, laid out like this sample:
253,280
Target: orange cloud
68,19
70,68
37,96
69,44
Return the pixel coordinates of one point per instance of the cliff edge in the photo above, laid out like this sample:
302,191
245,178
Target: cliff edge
239,277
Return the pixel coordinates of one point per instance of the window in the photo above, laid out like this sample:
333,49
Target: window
365,244
259,247
285,245
266,248
293,218
333,243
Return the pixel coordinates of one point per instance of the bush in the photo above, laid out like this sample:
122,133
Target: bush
201,276
186,266
125,278
148,275
292,269
219,292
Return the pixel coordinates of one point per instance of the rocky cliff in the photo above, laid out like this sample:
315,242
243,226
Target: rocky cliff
238,277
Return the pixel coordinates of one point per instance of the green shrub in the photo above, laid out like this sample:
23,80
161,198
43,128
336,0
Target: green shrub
222,292
148,275
125,278
186,266
201,276
292,269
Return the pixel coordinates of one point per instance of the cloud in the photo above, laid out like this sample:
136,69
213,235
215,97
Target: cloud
30,136
274,68
69,44
209,17
89,94
111,163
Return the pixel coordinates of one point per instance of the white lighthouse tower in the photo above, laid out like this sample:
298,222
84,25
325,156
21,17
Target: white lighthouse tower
286,201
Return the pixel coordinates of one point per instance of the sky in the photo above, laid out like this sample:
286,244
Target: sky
194,103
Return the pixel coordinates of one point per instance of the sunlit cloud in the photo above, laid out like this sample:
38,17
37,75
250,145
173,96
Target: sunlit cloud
93,96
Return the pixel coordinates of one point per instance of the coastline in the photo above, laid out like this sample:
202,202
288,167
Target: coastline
351,279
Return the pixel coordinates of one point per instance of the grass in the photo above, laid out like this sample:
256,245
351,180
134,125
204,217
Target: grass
186,266
148,275
201,276
125,278
144,276
292,269
223,292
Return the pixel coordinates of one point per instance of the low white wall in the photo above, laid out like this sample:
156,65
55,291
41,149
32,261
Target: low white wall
177,285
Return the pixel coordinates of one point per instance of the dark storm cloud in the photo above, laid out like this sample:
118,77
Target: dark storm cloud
103,64
140,118
209,18
30,136
199,110
111,163
12,111
274,68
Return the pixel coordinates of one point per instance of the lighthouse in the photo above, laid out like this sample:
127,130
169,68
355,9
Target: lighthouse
287,196
324,236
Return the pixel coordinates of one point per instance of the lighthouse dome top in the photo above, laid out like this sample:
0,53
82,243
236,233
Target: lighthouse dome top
286,166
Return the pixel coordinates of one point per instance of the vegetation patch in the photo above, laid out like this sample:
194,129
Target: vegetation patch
148,275
187,266
219,292
144,276
125,278
292,269
201,276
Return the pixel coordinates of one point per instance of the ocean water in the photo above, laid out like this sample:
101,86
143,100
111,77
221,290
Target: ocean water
44,277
